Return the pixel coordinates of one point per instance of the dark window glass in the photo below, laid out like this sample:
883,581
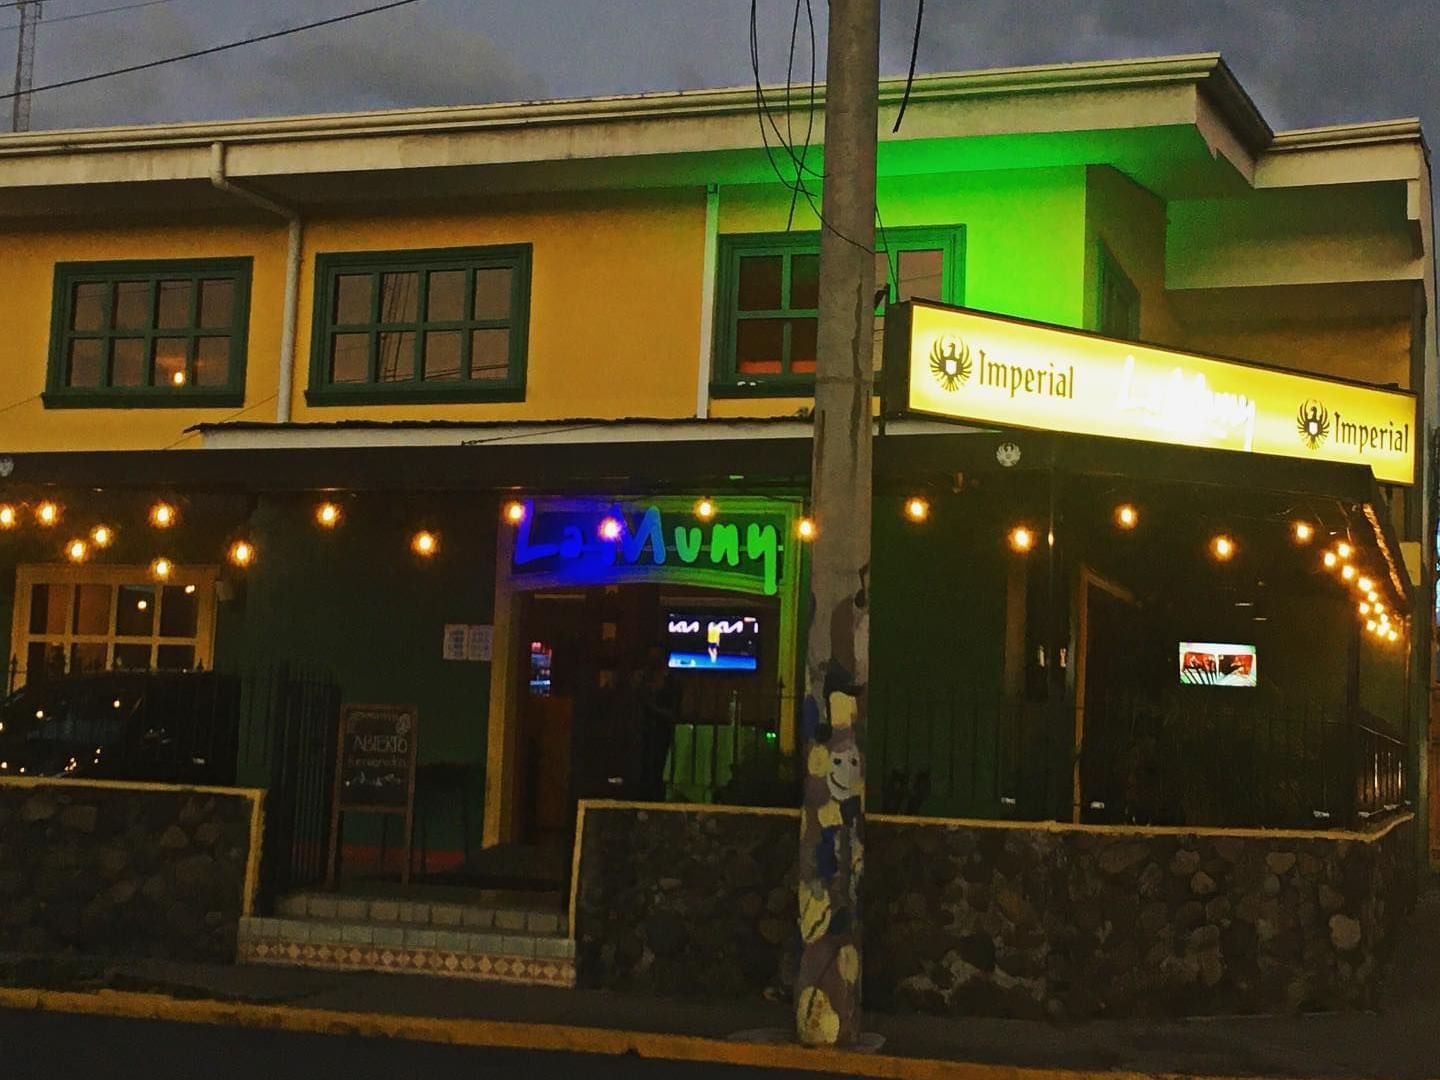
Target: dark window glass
135,611
397,355
442,354
489,354
760,347
175,658
174,311
86,364
802,346
127,362
212,362
132,305
92,610
131,656
88,656
169,369
804,282
399,298
921,275
87,310
350,360
446,296
217,304
49,605
760,282
352,299
492,294
178,612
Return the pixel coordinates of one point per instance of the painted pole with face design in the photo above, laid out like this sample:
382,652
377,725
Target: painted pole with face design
827,985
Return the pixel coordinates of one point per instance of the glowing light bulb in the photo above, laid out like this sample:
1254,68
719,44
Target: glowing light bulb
705,509
161,569
77,550
610,528
1344,550
515,512
47,513
1330,560
177,379
1393,635
917,508
1126,516
806,528
1371,624
1223,548
242,553
163,515
102,536
1304,532
189,590
1021,539
425,544
327,515
1364,584
9,518
1347,572
1364,608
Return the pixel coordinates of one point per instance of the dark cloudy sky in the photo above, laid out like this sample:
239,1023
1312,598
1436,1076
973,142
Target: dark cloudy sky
1306,62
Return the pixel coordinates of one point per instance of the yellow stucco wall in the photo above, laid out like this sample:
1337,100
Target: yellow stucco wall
27,275
1377,352
1130,222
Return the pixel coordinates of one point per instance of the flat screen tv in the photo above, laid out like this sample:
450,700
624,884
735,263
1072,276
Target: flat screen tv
1209,663
713,641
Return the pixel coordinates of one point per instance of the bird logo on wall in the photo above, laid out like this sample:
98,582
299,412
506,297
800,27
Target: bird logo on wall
950,362
1313,423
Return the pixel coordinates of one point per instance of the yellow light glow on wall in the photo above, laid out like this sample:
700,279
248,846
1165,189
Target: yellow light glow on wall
917,509
163,515
9,516
161,569
242,553
77,551
705,509
1303,532
1126,516
47,513
424,543
1223,548
102,536
1021,539
327,515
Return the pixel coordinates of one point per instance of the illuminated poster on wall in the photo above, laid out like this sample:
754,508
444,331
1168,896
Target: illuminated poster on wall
968,365
1206,663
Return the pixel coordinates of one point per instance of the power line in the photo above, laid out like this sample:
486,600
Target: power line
217,48
89,14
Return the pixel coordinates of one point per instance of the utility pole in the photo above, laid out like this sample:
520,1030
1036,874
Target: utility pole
827,986
30,12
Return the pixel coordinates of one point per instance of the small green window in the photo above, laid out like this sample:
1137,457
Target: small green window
421,326
147,334
1119,315
769,294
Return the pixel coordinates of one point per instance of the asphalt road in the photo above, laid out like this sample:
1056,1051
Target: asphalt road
56,1046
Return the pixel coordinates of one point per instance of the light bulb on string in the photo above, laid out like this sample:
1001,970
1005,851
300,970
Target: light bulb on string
161,569
514,512
47,513
705,508
77,551
241,554
327,515
1022,539
917,508
163,515
1223,548
1344,550
610,528
1126,516
1303,532
102,536
1364,584
806,528
9,516
1331,560
425,543
1347,572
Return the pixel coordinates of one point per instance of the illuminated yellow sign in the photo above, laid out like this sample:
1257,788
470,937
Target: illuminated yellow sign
970,366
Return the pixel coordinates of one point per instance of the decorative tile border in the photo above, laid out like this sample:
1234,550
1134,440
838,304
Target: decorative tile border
514,969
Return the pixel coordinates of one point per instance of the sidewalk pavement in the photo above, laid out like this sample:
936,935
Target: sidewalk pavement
1400,1041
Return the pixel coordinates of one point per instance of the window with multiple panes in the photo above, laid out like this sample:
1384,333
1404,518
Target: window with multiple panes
71,619
149,333
418,326
1119,300
769,294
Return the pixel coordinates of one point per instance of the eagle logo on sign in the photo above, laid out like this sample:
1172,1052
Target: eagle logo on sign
1313,423
950,362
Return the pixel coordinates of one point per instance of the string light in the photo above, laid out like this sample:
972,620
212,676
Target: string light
425,544
9,518
161,569
1347,572
47,513
1344,550
1022,539
1364,608
1222,547
917,508
242,553
327,515
1126,516
1364,584
514,511
77,551
610,528
163,515
1304,532
806,528
1330,560
178,379
102,536
1379,607
1372,596
1393,636
1371,624
705,509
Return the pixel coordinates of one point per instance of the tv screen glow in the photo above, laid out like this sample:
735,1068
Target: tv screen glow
713,642
1209,663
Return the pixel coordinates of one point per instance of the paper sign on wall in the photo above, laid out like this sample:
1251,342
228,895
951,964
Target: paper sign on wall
468,641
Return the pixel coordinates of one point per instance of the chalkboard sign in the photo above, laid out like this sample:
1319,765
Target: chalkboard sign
375,769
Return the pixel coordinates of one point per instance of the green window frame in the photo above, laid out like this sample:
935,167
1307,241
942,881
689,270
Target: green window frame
414,327
157,333
1118,301
747,324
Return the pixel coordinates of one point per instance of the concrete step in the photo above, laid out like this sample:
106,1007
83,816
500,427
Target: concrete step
535,959
432,915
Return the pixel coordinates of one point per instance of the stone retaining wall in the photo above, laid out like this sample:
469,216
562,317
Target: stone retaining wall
124,869
972,918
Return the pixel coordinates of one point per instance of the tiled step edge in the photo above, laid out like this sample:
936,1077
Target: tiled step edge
437,916
361,934
526,970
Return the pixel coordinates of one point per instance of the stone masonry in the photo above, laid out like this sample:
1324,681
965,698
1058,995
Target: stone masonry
122,871
980,919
